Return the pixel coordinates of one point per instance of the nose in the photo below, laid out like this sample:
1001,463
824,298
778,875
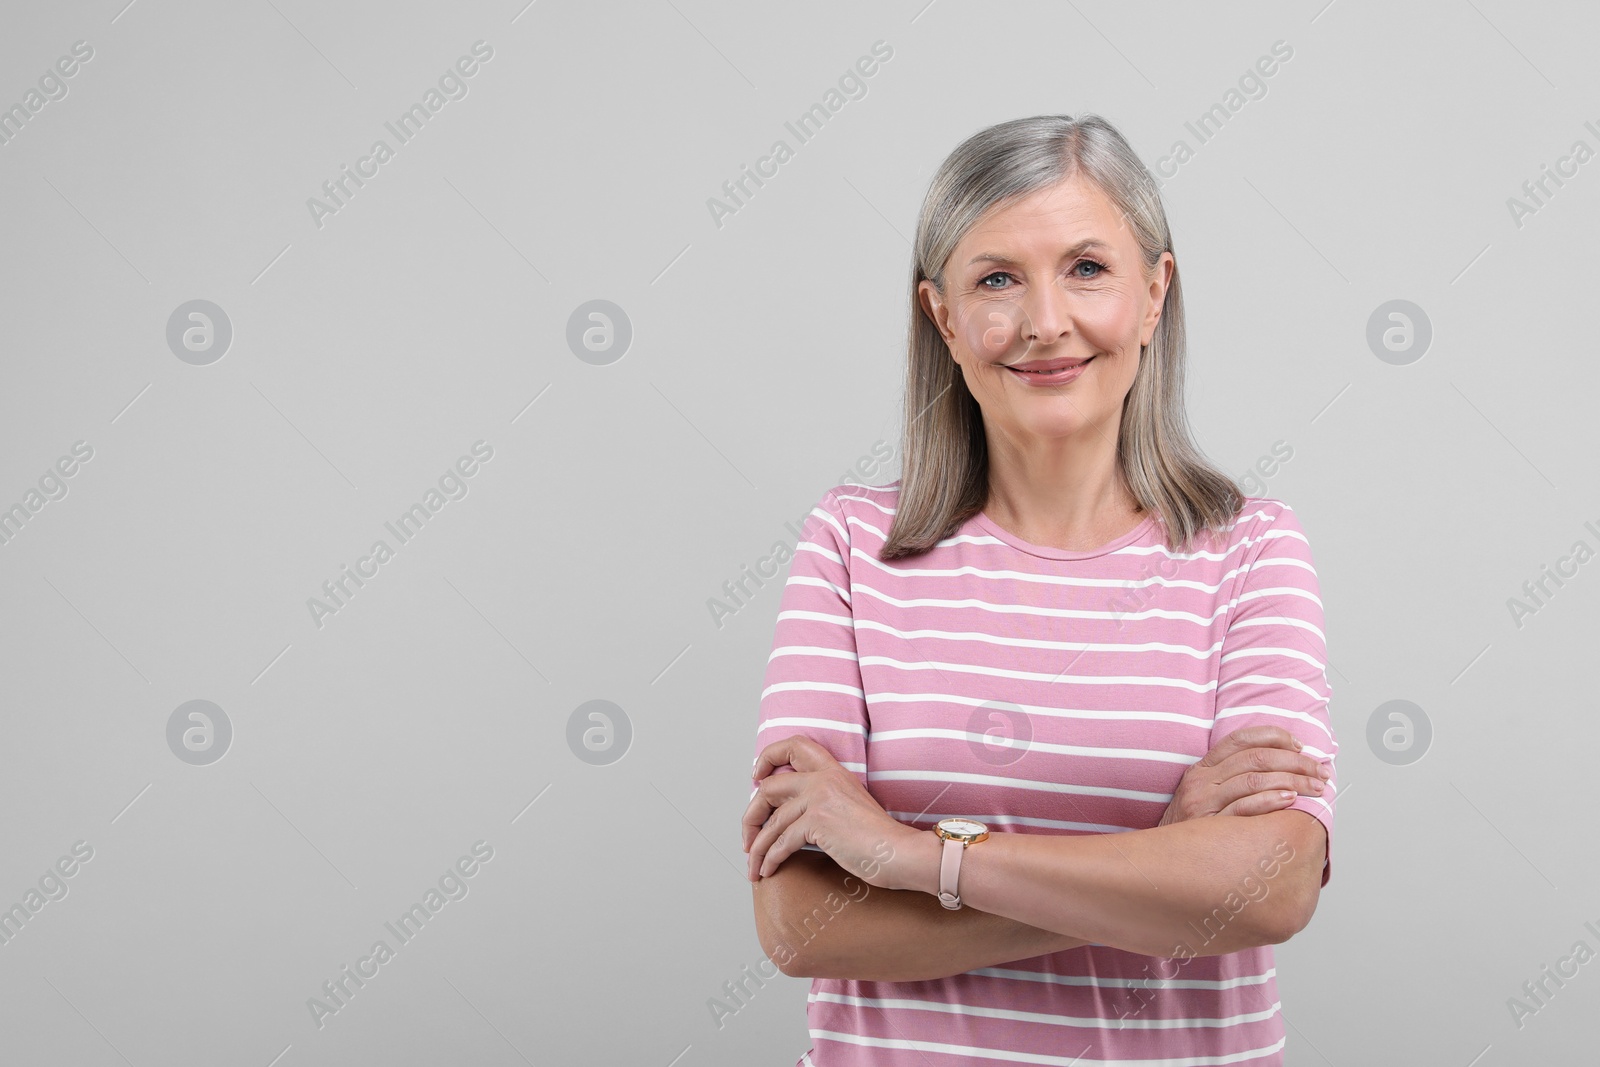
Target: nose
1047,312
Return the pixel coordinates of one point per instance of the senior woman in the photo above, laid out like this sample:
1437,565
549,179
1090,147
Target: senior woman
1044,764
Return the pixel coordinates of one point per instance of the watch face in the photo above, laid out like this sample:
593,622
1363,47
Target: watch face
962,827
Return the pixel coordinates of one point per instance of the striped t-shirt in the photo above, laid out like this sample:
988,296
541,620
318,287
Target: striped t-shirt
1046,691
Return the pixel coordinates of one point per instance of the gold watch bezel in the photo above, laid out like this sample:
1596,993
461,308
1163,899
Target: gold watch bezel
956,835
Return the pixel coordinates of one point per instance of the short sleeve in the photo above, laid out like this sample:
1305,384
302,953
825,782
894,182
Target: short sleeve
1273,670
813,679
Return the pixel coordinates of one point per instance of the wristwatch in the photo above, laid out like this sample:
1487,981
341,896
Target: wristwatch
957,835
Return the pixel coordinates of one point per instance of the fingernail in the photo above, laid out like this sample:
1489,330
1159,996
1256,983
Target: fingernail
1297,745
1316,787
1322,769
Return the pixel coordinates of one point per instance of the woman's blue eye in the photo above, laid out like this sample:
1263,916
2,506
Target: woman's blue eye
1099,268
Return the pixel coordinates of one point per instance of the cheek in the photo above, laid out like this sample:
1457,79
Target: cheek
1110,323
992,330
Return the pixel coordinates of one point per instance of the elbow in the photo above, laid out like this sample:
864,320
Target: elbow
796,909
1293,899
793,965
1292,915
792,962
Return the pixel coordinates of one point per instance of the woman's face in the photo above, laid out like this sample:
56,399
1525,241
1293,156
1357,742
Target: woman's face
1053,280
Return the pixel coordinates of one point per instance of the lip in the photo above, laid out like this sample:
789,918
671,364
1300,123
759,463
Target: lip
1061,371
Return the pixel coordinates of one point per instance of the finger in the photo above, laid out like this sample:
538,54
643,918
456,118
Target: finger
755,815
1214,795
747,829
771,758
769,795
778,754
1250,737
786,844
774,843
797,751
1269,759
1260,803
1242,785
747,833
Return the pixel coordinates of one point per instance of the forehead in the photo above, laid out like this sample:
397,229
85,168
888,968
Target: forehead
1074,215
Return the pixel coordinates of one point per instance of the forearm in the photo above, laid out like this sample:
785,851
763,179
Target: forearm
1197,888
816,920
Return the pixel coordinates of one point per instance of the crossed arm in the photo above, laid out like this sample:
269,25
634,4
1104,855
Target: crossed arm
815,920
1200,887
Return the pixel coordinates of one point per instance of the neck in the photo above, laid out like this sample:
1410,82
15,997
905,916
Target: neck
1063,491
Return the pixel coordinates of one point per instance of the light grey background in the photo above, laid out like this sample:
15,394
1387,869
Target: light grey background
431,312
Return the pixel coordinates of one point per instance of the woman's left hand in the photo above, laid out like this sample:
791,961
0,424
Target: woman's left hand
817,803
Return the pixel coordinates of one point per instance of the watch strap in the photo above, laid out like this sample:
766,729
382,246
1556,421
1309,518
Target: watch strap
950,873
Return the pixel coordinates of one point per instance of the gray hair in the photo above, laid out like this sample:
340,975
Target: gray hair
945,474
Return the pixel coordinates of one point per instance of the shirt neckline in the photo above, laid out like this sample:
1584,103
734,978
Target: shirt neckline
1050,552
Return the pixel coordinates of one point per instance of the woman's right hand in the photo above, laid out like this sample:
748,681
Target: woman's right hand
1246,773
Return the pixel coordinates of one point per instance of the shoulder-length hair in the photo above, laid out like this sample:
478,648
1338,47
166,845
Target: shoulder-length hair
945,473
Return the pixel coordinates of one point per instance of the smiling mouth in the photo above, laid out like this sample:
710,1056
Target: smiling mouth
1050,366
1050,371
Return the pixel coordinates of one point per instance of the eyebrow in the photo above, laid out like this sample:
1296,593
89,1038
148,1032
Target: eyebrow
1085,245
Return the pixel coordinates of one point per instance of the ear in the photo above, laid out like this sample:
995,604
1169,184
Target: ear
1160,278
934,307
